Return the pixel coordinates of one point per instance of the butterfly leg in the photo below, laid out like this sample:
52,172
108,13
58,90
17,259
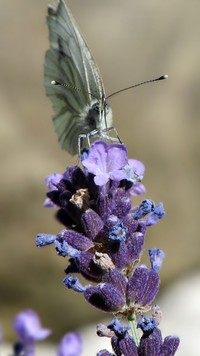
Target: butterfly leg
84,140
107,136
86,137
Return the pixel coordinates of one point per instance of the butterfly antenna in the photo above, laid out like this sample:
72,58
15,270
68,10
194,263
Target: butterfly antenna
56,82
137,85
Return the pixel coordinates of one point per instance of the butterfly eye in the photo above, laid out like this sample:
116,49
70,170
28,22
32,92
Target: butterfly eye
95,108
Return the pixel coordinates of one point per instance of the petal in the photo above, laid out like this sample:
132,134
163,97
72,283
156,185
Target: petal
124,346
27,326
45,239
143,286
151,344
105,297
76,240
137,189
73,283
119,329
117,157
92,223
156,258
96,162
158,213
137,167
170,345
70,345
117,279
52,180
117,175
101,179
144,208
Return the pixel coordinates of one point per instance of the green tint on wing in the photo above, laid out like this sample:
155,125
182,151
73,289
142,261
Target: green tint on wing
69,61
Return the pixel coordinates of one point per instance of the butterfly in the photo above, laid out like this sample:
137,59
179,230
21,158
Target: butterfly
78,98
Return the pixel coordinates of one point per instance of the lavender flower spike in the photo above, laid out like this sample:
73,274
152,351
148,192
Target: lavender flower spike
104,236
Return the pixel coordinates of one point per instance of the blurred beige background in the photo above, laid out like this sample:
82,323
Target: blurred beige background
131,41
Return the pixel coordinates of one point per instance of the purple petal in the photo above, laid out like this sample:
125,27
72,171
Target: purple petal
117,279
119,329
96,163
121,203
170,345
105,297
73,283
27,326
117,175
70,345
147,324
92,223
76,240
45,239
52,180
101,179
117,157
125,346
151,344
156,258
106,161
143,286
137,167
48,203
64,249
135,245
158,213
144,208
137,189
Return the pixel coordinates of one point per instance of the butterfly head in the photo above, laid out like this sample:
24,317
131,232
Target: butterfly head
100,116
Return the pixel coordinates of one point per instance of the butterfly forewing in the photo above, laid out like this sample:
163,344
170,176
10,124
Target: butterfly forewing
69,61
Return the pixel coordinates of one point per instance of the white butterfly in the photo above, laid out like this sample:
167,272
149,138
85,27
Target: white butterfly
79,104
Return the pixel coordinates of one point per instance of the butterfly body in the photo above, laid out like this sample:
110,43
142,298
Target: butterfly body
79,104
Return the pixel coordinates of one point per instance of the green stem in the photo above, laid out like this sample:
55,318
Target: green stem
133,324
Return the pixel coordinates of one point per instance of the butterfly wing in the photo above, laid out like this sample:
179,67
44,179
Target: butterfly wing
69,61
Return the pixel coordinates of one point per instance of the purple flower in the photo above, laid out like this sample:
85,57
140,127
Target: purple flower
119,329
124,345
143,286
73,283
45,239
119,294
157,214
27,326
70,345
147,324
103,237
151,343
118,233
51,182
170,345
156,258
102,162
